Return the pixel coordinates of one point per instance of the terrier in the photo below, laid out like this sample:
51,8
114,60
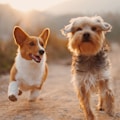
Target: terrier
90,62
30,70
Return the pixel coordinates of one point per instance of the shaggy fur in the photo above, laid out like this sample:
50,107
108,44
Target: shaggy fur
90,62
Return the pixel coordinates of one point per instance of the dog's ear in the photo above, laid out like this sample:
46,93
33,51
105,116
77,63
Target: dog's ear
103,25
67,29
19,35
45,36
106,27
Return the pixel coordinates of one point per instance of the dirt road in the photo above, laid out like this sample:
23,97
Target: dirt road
57,98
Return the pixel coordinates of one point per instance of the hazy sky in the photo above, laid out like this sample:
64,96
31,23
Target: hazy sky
86,6
26,5
65,6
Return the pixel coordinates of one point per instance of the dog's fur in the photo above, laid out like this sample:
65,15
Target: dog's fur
30,70
90,63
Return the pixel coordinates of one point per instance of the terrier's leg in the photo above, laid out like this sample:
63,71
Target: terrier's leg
106,99
84,97
101,90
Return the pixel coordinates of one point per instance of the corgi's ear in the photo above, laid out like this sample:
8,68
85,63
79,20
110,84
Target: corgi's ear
19,35
45,36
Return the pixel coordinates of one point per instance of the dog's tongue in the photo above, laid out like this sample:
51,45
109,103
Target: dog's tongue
35,58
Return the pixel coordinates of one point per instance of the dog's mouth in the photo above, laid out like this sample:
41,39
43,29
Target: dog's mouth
86,40
36,58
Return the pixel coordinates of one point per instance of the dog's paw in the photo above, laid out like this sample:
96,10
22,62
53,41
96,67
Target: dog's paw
40,98
111,114
101,109
20,92
31,100
12,98
117,115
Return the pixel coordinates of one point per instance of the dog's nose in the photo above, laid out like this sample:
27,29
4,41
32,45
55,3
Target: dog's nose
41,52
86,36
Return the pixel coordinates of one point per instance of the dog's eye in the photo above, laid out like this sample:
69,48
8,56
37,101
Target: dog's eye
32,44
94,28
41,43
79,29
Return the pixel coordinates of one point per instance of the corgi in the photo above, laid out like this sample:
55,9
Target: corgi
30,69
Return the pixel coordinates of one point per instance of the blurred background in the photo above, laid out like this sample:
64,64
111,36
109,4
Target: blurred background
35,15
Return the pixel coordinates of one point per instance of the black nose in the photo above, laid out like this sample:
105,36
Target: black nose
86,37
41,52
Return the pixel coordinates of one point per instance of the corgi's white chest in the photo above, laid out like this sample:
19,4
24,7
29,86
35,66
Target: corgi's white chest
29,73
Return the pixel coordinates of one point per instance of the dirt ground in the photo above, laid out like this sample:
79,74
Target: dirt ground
58,100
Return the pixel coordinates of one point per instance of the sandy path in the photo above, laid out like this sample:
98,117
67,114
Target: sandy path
57,98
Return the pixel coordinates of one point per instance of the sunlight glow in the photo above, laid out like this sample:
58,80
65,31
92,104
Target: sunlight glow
27,5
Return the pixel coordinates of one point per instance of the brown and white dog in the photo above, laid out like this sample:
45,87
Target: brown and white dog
30,70
90,63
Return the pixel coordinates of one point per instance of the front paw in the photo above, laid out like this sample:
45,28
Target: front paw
31,100
20,92
12,98
100,108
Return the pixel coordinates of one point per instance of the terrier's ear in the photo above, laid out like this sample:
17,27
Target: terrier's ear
19,35
106,27
67,29
103,25
45,36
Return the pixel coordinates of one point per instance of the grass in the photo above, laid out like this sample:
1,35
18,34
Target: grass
7,54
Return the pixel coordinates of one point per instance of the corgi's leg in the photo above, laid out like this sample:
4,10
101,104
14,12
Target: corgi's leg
44,76
20,92
33,95
13,91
